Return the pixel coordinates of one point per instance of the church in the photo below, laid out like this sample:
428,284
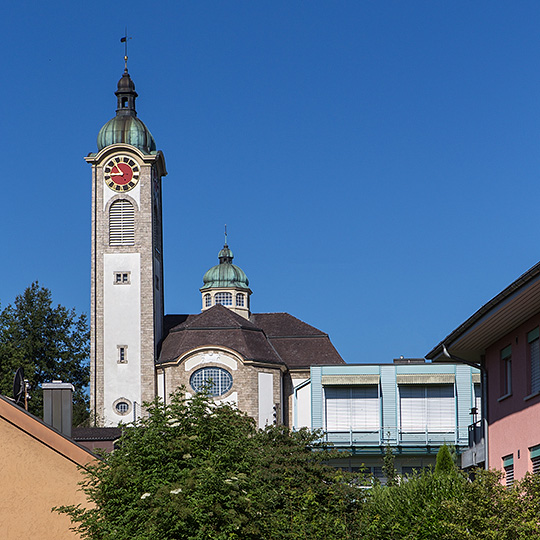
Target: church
252,360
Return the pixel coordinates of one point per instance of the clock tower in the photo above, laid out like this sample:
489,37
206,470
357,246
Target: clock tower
127,264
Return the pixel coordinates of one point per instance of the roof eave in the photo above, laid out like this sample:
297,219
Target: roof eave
500,315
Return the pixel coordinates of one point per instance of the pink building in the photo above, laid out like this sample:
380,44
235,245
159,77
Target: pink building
502,339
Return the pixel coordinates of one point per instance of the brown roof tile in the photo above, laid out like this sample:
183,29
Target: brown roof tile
284,324
298,343
266,337
218,326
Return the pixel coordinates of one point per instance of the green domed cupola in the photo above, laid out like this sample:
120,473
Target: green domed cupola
226,284
225,274
125,127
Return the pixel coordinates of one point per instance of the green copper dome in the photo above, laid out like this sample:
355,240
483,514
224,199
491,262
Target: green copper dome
225,274
125,127
127,130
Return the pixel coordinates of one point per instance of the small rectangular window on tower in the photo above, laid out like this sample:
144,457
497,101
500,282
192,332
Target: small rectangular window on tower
122,278
122,354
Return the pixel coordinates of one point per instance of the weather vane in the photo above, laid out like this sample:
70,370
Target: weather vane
225,234
125,40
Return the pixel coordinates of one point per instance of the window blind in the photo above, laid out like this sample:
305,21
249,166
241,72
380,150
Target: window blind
355,408
430,408
535,365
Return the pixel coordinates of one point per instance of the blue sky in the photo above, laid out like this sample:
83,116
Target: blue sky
377,163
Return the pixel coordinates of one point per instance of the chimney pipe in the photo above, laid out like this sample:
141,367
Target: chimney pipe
58,406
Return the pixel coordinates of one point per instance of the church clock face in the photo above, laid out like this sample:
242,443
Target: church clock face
121,173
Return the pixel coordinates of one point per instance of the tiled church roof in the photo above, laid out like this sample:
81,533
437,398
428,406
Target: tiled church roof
277,338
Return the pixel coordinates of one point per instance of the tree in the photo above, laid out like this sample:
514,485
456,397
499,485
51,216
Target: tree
389,468
445,462
50,343
449,506
194,470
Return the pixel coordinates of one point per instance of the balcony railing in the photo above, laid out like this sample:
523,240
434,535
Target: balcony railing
475,455
380,437
476,433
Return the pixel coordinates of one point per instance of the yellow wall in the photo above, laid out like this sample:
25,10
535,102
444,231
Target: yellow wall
33,479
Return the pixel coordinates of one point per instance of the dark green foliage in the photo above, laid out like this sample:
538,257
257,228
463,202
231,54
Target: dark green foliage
389,468
445,462
50,343
449,506
196,471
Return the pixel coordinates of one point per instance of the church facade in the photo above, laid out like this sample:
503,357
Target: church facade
251,360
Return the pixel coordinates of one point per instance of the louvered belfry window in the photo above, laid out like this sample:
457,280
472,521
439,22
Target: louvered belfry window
121,223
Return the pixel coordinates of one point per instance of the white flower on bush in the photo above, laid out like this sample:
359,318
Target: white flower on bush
144,495
176,491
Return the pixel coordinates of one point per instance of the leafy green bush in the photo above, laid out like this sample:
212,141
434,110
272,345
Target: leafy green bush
196,471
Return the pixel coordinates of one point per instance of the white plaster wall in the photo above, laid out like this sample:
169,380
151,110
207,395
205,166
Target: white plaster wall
231,400
161,384
266,399
303,407
121,326
214,357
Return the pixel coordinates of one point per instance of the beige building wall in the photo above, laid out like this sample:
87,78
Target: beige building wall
245,389
35,476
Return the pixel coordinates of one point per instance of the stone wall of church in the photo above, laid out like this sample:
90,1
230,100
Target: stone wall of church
247,392
124,313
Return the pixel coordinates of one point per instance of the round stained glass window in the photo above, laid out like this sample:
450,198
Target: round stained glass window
216,381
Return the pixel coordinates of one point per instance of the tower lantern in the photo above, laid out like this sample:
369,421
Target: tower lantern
226,284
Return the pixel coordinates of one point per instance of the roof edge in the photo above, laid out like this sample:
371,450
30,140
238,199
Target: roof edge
514,287
45,434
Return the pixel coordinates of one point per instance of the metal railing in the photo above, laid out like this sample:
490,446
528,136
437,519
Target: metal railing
476,433
394,435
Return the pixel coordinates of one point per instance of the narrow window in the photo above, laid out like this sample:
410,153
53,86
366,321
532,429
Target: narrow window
207,300
535,459
508,466
534,360
122,354
506,371
121,223
240,300
478,401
